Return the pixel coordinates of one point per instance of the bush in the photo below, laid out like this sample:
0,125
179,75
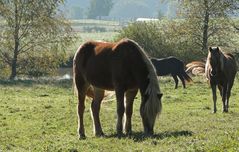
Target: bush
44,64
162,39
4,70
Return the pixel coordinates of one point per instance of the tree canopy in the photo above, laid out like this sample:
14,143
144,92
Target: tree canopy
31,29
99,8
209,20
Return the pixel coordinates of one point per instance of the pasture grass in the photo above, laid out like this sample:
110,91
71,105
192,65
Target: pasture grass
41,116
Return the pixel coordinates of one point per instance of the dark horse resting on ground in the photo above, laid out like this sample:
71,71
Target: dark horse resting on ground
123,67
220,70
173,66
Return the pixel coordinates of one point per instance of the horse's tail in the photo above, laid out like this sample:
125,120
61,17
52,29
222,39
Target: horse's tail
186,77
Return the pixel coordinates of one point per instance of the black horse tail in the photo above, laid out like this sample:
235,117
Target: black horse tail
186,77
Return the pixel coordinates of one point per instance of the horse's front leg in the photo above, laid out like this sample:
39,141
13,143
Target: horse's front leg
130,95
214,96
95,110
120,110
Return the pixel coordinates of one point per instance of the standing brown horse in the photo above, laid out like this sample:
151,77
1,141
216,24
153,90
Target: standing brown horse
123,67
220,70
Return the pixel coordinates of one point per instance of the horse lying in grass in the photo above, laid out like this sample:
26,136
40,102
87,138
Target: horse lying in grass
196,68
124,67
220,70
173,66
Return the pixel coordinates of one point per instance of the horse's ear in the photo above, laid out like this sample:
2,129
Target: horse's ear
210,49
218,48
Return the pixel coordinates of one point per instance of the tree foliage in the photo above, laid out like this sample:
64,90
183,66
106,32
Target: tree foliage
99,8
162,39
175,38
208,20
31,29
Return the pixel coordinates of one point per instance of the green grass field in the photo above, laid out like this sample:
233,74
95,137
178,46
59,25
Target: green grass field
41,116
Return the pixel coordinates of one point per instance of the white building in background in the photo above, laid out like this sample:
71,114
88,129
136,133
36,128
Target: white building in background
146,19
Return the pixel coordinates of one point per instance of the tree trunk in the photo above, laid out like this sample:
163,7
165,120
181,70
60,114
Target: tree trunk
16,44
14,63
205,27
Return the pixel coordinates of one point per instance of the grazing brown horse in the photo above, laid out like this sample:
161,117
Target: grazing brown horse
220,70
123,67
171,65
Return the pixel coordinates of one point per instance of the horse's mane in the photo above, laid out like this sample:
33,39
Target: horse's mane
229,54
153,88
222,58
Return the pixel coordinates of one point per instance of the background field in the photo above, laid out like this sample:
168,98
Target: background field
41,116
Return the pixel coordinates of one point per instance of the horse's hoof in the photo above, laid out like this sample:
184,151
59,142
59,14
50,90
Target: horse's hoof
100,134
82,137
214,111
120,134
129,133
148,134
225,111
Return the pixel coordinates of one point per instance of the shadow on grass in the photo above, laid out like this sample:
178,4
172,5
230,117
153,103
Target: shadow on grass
139,136
64,83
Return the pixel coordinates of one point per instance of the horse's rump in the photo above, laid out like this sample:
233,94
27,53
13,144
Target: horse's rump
168,65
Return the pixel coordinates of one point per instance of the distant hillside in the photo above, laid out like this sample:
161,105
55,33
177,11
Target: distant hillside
123,9
82,3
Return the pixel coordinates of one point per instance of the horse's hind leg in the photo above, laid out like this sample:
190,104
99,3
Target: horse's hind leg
120,110
95,109
175,80
182,80
130,95
82,87
229,87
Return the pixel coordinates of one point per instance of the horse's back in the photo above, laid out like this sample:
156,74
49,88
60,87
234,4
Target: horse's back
101,62
169,65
